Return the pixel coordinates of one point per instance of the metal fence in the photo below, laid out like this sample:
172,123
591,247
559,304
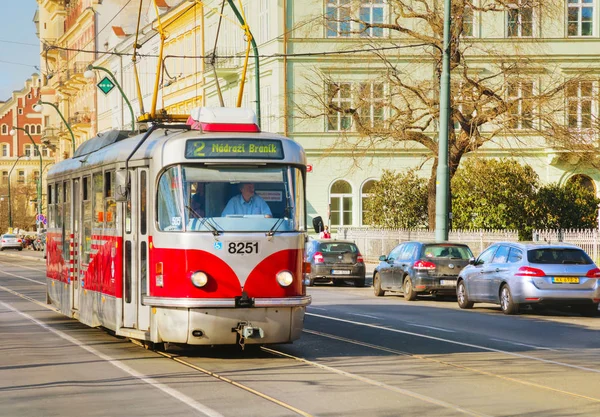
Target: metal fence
587,239
376,242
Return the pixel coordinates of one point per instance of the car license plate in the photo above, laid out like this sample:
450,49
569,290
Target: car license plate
565,280
447,282
340,272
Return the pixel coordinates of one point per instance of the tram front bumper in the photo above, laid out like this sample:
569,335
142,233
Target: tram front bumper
276,323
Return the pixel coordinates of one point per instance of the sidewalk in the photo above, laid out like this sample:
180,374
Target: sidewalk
25,253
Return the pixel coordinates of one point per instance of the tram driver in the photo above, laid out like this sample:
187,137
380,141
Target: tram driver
247,202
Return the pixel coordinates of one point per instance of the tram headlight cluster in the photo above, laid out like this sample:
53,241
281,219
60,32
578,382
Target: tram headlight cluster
285,278
199,279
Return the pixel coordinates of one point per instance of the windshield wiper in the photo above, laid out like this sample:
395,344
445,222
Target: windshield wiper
205,220
278,223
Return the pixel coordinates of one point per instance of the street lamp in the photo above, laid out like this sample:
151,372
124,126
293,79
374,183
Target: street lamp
90,74
40,106
13,132
10,224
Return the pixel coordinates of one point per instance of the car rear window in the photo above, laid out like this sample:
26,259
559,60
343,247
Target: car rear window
447,251
339,247
10,236
558,256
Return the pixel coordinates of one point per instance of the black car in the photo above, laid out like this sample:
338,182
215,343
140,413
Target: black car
335,261
421,268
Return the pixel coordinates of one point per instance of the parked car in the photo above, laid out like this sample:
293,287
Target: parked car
516,274
10,241
335,261
421,268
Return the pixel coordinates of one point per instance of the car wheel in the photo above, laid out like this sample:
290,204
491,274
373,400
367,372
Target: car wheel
462,297
409,291
377,286
588,310
359,282
506,301
338,282
20,249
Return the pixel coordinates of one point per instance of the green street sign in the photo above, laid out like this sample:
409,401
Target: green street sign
106,85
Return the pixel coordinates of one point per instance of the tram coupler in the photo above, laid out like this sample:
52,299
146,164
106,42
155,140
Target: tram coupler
245,330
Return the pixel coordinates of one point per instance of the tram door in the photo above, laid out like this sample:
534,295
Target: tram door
76,244
135,258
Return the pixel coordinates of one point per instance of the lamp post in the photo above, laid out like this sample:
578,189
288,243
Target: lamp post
39,184
10,224
90,74
443,177
40,106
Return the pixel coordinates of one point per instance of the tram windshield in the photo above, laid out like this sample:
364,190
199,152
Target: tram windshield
231,199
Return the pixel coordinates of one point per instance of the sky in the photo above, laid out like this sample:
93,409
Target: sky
19,47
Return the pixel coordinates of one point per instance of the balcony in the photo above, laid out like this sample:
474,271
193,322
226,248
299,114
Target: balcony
80,120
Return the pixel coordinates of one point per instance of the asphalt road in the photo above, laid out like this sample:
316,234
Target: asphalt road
359,356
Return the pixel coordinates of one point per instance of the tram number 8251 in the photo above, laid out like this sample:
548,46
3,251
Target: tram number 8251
243,247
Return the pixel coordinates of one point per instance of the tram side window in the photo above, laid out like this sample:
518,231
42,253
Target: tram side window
98,193
66,203
169,201
87,220
109,200
59,206
51,207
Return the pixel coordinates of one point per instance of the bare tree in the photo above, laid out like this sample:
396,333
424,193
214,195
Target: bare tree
502,90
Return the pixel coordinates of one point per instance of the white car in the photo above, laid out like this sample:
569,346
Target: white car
10,241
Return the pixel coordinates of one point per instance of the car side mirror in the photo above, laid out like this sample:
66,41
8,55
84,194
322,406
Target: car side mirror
471,261
383,258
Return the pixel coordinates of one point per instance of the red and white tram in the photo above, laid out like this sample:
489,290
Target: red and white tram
128,250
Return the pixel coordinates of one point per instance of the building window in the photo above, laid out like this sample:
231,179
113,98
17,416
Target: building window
580,20
371,12
340,203
340,14
371,104
367,190
263,19
266,109
20,111
340,100
519,19
21,177
26,128
583,180
468,25
4,177
579,104
45,151
39,129
4,129
520,94
5,149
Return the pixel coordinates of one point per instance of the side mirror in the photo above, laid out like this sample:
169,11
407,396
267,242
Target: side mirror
471,261
318,224
383,258
121,185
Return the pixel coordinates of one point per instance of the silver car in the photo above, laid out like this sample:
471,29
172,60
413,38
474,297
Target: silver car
9,241
515,274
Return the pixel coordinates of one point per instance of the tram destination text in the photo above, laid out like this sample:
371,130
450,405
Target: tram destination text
234,148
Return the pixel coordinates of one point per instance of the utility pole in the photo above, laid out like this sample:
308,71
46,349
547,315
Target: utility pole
442,185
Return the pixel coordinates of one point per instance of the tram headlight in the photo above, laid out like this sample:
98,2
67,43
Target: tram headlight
199,279
285,278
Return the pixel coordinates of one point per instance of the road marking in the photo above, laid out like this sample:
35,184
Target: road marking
454,342
167,390
525,344
364,315
22,277
317,308
430,327
379,384
453,365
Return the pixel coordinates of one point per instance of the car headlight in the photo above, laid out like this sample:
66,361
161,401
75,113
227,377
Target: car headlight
285,278
199,279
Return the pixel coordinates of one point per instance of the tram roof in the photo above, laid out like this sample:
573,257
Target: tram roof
115,146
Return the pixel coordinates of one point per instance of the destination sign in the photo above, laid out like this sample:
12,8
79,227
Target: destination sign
234,148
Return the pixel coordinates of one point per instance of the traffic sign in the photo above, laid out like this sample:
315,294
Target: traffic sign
309,168
40,218
106,85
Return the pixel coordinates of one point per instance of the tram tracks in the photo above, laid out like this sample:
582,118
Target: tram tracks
189,362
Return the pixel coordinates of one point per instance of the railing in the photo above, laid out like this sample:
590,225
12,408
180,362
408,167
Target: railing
587,239
376,242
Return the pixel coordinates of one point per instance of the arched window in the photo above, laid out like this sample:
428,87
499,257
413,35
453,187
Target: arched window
39,129
584,180
4,129
27,128
365,194
340,203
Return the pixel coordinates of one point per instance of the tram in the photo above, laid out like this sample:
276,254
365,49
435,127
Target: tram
140,241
